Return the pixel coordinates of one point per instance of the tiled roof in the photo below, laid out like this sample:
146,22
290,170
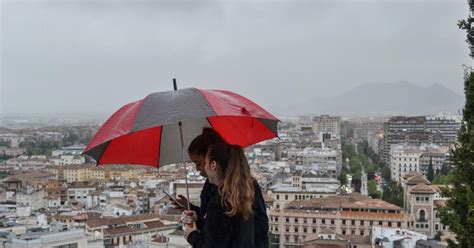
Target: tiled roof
417,179
122,230
154,224
353,200
423,189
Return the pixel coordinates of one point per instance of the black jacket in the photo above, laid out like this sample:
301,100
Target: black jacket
260,219
220,230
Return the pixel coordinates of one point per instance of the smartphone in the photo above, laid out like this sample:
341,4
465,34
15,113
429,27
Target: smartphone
173,199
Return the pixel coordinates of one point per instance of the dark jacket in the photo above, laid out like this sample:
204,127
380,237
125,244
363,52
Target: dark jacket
259,211
220,230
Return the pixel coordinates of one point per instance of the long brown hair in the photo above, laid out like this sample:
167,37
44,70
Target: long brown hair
236,188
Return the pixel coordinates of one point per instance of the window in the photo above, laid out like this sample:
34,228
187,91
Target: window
399,224
361,222
296,220
305,230
361,232
314,230
436,227
287,229
278,197
343,222
286,197
296,229
422,216
353,222
305,220
323,221
380,223
314,221
276,219
343,232
332,221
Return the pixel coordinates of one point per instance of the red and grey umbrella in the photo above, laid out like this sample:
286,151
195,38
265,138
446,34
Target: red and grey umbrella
154,131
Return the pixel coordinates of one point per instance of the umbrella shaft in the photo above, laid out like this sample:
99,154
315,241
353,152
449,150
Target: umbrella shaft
184,163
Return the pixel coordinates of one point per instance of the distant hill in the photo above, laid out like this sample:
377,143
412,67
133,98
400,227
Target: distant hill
382,99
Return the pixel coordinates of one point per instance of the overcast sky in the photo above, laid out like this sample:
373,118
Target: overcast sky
96,55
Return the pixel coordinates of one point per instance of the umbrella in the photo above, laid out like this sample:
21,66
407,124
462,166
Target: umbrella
155,130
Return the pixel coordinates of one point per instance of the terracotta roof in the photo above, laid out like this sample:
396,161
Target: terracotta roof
107,221
354,200
411,174
423,189
417,179
118,230
154,224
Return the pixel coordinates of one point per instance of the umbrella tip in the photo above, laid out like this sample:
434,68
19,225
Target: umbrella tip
175,86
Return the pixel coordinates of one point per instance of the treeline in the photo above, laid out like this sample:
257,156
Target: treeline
364,157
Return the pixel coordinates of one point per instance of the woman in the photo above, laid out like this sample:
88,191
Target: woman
229,219
197,151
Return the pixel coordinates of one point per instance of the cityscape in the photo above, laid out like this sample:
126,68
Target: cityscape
326,181
363,138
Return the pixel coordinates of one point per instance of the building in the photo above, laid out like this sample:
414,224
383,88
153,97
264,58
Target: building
405,158
419,129
301,186
327,125
421,202
127,230
49,239
384,237
352,214
324,160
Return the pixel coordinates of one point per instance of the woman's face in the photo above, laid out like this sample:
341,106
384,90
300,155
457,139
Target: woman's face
199,161
211,170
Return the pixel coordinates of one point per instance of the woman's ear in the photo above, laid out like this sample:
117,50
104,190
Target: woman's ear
213,165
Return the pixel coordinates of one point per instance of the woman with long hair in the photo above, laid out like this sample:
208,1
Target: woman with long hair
229,220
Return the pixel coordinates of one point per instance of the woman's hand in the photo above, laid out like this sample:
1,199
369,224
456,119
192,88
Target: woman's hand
183,203
189,219
189,216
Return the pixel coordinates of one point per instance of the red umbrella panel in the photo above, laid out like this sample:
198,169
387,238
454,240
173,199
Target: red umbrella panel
147,132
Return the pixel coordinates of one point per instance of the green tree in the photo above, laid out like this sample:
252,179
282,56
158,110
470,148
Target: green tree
393,193
343,177
458,213
430,175
443,179
386,173
372,189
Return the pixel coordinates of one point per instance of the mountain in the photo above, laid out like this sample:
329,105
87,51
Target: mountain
382,99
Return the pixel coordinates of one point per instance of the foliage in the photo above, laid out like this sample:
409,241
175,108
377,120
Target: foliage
458,213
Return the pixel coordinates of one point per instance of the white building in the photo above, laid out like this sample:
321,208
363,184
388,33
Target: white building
387,237
71,238
327,124
407,158
323,160
404,159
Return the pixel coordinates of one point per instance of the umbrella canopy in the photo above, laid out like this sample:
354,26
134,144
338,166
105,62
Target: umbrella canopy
147,131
